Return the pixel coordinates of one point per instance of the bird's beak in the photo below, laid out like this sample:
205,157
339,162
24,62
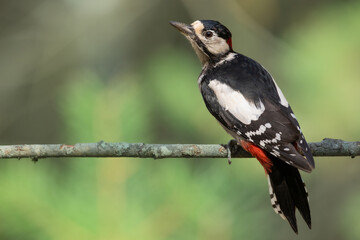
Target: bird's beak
185,29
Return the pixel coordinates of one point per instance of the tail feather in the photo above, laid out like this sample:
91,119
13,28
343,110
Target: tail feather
300,196
288,192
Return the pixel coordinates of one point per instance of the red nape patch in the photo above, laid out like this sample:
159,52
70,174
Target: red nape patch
259,154
229,42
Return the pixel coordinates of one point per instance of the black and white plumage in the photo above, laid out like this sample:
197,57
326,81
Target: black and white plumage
242,95
255,109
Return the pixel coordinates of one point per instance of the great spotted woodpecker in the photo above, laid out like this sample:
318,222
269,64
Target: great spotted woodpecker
244,98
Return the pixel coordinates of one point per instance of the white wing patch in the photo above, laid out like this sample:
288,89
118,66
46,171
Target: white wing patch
233,101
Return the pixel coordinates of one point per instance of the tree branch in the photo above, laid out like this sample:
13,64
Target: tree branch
328,147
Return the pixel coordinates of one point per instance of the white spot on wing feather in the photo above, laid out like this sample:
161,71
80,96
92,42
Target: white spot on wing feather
268,125
260,131
233,101
276,153
274,140
298,128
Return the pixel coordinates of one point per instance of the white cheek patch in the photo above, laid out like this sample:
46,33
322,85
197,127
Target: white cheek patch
234,102
216,45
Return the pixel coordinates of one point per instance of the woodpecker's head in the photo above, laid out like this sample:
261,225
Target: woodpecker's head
210,39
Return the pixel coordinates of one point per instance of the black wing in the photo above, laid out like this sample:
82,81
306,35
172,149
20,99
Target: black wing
275,130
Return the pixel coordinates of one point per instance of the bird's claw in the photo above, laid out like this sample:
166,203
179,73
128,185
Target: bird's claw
229,146
229,156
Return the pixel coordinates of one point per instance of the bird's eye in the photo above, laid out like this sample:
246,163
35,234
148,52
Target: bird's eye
208,34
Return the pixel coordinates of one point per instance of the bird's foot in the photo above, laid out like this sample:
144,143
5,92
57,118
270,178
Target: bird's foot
230,146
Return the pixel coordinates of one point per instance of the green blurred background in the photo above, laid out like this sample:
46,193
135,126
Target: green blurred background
115,70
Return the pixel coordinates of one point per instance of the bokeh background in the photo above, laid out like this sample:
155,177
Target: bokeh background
115,70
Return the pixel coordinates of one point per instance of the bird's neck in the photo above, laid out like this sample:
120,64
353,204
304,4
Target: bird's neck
217,61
